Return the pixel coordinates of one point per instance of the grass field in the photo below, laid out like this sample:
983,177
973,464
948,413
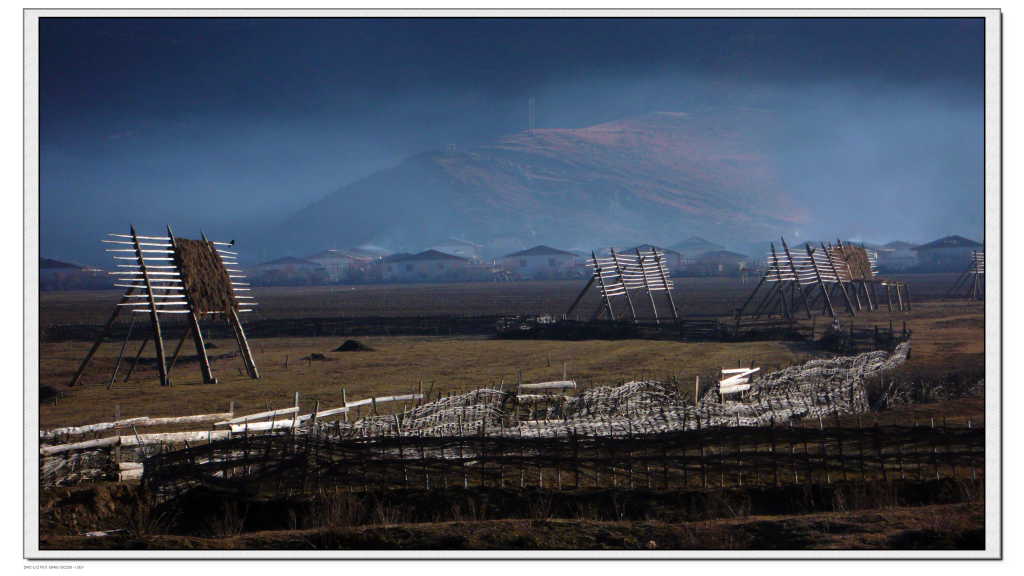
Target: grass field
948,337
948,344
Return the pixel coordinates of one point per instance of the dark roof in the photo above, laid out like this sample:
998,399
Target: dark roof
540,250
425,255
290,260
717,255
950,242
395,256
645,247
50,263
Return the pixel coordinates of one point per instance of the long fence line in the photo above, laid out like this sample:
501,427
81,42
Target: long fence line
543,412
718,457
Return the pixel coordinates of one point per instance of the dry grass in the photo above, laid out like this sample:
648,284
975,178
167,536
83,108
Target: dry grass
948,337
396,364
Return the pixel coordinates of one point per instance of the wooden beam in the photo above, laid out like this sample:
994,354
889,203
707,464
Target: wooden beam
193,319
622,280
154,318
778,278
99,340
839,280
824,292
579,297
668,289
600,281
796,276
231,316
647,286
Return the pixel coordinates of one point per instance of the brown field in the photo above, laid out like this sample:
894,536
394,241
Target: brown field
948,347
948,338
939,527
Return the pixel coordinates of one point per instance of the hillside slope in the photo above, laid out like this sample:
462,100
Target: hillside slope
654,178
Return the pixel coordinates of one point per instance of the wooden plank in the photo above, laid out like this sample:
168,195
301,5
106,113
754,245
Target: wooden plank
259,416
558,384
162,421
171,437
100,427
739,370
263,426
76,446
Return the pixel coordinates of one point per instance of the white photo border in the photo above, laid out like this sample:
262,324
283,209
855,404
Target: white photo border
993,286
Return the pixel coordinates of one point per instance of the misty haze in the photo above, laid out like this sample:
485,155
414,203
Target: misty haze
298,136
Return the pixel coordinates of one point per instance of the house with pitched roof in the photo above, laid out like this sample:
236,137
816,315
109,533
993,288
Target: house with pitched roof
949,254
427,266
541,263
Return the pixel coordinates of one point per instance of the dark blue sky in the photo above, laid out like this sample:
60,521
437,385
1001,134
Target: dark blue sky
231,124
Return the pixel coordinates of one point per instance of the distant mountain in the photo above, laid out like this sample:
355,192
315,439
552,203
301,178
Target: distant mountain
651,178
694,246
51,264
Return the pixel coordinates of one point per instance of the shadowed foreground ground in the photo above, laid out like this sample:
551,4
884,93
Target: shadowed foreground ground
955,526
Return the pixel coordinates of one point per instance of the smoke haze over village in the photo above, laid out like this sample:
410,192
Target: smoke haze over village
295,135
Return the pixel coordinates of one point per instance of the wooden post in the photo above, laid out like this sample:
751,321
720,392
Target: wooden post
622,280
846,263
821,284
792,267
231,316
600,281
664,281
778,278
99,340
839,279
580,296
194,329
741,309
177,349
158,339
647,287
135,362
120,355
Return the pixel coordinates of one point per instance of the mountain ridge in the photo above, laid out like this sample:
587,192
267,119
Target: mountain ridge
654,178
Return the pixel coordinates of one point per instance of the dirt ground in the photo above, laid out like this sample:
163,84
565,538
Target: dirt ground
953,526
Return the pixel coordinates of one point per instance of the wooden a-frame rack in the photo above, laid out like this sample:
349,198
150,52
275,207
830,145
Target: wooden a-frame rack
166,276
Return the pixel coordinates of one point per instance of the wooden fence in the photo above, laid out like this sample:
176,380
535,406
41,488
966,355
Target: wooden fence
290,463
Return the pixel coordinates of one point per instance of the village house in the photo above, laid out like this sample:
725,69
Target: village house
288,271
461,248
540,263
896,256
428,266
340,265
949,254
674,260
